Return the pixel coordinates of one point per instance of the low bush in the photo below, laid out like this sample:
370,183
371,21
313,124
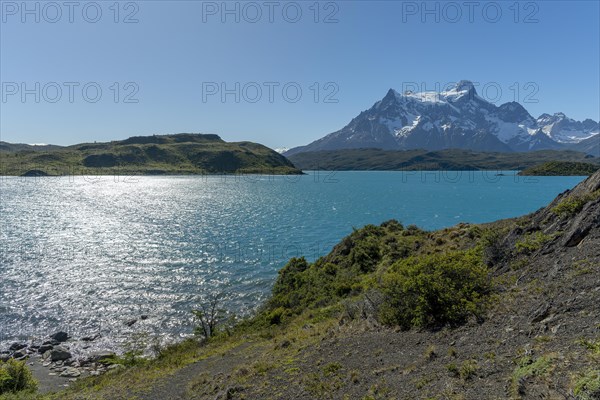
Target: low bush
573,205
435,290
532,242
588,386
15,377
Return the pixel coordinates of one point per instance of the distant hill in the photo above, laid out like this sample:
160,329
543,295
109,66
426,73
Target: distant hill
184,153
13,147
457,118
561,168
452,159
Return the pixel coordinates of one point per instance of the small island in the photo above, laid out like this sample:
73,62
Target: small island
561,168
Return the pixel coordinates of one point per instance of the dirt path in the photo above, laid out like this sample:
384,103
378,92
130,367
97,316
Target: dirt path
180,385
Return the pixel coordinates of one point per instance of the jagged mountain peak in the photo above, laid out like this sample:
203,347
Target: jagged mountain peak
456,117
465,85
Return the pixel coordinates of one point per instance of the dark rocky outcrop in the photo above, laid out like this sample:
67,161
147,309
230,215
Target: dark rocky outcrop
60,336
59,353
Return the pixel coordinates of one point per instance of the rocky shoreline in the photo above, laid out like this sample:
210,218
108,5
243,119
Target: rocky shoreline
55,359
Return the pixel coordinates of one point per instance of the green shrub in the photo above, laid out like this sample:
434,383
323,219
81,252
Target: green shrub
468,369
434,290
573,205
588,386
592,345
331,368
493,250
528,367
453,369
532,242
16,377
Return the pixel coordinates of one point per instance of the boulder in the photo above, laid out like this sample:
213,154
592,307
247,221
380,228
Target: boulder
60,336
59,353
20,354
17,346
44,348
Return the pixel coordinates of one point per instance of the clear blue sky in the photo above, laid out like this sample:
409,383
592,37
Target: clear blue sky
550,49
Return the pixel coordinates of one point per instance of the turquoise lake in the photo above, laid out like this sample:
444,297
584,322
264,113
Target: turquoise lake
87,254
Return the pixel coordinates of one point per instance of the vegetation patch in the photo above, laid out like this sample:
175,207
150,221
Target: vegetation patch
435,290
533,241
16,377
528,367
561,168
572,205
587,387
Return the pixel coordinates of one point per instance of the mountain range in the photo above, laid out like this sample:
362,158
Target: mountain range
457,118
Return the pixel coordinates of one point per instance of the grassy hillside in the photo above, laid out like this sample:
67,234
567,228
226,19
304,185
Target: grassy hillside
411,160
506,310
561,168
164,154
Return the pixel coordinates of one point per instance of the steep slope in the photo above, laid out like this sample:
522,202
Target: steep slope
455,118
184,153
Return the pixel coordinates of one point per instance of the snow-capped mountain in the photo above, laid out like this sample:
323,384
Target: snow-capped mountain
456,118
566,130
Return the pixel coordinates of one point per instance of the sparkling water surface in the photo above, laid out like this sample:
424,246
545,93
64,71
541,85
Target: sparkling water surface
88,254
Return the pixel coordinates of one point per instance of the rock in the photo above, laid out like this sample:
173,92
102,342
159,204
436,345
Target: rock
19,354
4,357
90,338
115,367
59,353
144,317
70,372
101,356
17,346
131,322
44,348
575,237
541,313
60,336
